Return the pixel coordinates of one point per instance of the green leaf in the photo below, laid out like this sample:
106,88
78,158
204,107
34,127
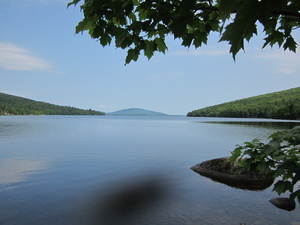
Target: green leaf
243,27
123,39
200,39
179,28
261,167
227,7
283,186
236,33
187,40
142,14
132,16
105,39
290,44
235,154
187,5
132,54
74,2
161,45
296,194
84,25
149,50
273,38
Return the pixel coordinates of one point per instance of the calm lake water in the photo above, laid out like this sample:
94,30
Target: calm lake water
127,170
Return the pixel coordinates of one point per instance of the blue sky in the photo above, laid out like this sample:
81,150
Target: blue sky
42,58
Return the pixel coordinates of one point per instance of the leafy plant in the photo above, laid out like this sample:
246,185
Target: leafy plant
280,156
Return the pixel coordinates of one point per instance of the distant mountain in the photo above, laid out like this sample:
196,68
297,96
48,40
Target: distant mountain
14,105
276,105
136,112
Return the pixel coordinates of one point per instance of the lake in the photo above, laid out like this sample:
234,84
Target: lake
127,170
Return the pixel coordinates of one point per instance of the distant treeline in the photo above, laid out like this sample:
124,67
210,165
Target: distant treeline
277,105
13,105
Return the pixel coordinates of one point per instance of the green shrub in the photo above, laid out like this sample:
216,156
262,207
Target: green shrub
280,156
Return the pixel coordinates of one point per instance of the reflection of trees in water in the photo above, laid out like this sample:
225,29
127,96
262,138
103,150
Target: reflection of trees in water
12,129
271,125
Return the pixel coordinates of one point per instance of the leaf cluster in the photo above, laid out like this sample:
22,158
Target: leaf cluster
143,25
280,156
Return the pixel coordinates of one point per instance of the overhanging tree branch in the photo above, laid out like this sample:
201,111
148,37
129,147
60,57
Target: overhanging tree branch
192,21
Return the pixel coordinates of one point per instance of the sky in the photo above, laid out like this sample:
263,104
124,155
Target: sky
41,58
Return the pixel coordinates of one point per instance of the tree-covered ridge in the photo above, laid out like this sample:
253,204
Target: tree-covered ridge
277,105
13,105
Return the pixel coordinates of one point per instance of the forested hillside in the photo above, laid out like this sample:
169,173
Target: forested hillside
277,105
13,105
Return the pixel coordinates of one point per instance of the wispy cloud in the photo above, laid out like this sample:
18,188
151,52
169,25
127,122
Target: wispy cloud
171,74
14,57
201,52
106,107
284,62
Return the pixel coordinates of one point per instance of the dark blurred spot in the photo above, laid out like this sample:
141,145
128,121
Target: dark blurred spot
128,201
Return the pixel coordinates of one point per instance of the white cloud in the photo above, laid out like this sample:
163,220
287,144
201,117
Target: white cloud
14,57
286,71
277,55
284,62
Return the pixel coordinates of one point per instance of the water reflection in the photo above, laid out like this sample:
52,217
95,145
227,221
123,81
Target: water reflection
13,171
8,130
14,129
264,124
244,185
97,162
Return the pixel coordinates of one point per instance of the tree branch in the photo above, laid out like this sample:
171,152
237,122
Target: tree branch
280,12
286,13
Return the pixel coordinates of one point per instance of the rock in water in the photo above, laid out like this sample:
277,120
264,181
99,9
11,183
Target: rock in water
284,203
223,171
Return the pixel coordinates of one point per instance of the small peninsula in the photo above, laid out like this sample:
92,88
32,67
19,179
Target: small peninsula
14,105
277,105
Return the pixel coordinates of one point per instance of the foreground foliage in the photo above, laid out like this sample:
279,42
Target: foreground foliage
143,25
13,105
280,156
277,105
